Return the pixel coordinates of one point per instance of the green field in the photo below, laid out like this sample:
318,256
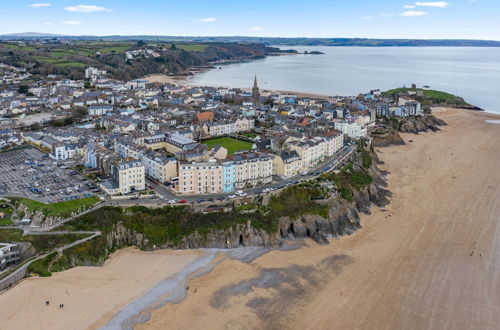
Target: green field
75,64
191,47
62,56
12,46
62,209
232,145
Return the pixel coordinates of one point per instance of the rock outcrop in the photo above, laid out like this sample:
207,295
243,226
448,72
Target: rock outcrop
420,124
121,236
388,135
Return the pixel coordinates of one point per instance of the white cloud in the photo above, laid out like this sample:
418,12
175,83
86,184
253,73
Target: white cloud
439,4
71,23
86,9
49,23
207,20
413,13
256,28
367,18
39,5
409,6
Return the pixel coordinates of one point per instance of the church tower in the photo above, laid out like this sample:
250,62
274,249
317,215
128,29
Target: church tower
255,91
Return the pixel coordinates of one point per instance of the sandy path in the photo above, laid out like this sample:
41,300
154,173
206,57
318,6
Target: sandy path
91,295
410,267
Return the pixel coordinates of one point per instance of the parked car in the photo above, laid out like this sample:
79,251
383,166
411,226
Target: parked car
182,201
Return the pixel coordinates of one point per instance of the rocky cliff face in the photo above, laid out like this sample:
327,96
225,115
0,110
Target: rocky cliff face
420,124
37,217
343,219
387,138
389,135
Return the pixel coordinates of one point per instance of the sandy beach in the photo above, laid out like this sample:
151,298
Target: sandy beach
166,79
184,80
91,295
429,260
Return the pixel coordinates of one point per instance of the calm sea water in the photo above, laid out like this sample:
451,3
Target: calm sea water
472,73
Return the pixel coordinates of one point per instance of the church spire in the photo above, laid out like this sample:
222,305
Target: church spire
255,91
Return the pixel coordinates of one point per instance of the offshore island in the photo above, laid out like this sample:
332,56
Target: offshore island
258,187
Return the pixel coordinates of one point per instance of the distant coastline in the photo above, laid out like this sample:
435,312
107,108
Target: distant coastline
362,42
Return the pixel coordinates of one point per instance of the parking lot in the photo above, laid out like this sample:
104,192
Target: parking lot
33,174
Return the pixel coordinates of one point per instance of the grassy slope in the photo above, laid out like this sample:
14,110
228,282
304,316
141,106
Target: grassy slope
432,96
198,48
62,209
41,243
6,221
232,145
60,55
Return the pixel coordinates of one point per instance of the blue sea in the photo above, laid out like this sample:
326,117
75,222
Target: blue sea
472,73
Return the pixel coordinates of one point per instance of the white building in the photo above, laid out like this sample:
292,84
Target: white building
9,254
352,129
128,176
93,73
99,110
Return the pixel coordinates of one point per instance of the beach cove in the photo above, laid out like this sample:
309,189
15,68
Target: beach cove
432,256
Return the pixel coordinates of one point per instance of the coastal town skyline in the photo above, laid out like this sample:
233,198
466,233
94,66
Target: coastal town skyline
458,19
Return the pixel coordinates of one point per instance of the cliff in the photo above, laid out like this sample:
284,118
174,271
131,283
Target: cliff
387,133
420,124
342,219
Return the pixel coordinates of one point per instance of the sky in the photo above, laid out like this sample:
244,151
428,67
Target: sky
453,19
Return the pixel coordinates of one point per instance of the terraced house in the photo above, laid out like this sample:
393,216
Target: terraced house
200,178
312,151
252,169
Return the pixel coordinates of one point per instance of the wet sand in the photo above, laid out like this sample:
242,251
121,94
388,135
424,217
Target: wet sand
91,295
430,260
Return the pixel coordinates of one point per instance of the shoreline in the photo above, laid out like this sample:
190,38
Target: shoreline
185,81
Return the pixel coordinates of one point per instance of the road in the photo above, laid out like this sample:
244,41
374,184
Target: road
278,183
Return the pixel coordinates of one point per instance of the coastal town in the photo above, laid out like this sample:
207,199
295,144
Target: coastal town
177,141
144,142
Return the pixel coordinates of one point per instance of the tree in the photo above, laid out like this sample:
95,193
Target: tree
140,43
23,89
173,47
87,85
